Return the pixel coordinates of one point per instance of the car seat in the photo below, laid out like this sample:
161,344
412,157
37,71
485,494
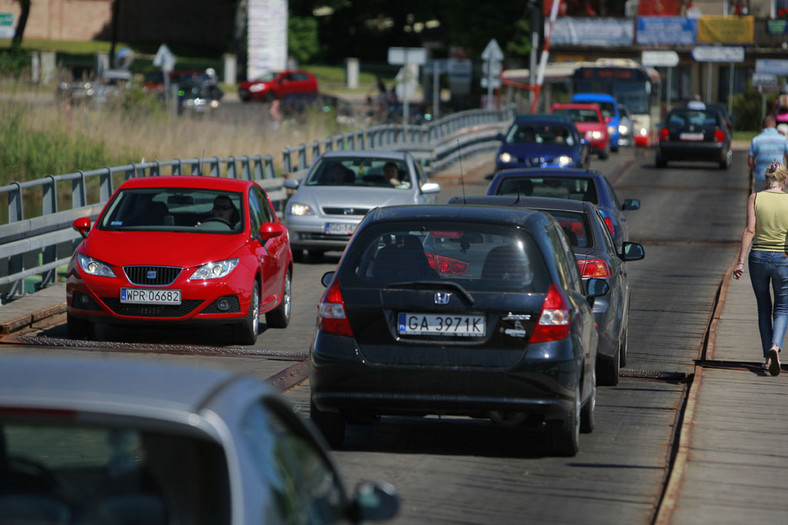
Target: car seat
506,265
403,260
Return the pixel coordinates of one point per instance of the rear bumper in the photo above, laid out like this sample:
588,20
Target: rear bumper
693,151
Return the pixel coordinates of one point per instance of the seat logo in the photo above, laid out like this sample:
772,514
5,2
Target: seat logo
442,297
150,274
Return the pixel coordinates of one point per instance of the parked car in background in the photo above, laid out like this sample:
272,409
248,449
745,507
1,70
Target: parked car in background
299,106
99,441
589,122
625,127
463,311
610,112
541,141
598,258
178,250
111,84
575,184
694,135
277,84
343,186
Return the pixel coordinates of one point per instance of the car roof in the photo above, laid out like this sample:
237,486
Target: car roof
188,181
112,385
499,215
366,154
541,203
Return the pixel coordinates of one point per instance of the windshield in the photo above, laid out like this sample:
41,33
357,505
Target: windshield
574,188
175,209
540,134
266,77
355,171
578,115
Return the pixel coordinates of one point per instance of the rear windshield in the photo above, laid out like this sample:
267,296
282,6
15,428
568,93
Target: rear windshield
686,117
578,189
476,256
540,134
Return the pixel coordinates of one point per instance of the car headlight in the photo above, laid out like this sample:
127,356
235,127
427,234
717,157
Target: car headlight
505,158
214,270
294,208
256,88
595,135
623,129
93,266
611,129
564,160
643,132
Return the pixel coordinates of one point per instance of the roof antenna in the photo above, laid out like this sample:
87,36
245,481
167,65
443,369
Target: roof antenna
462,179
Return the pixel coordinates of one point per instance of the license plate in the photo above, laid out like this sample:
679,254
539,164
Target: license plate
149,296
431,324
340,228
691,136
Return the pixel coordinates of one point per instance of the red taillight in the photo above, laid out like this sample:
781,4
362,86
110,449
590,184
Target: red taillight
719,135
664,134
610,227
447,265
553,324
332,318
593,268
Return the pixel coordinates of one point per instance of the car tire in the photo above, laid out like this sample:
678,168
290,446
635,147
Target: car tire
660,161
298,255
622,351
279,317
77,328
315,254
269,97
614,149
564,435
727,160
331,424
604,154
608,369
587,418
246,332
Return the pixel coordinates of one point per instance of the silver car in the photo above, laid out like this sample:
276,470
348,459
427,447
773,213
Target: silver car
103,441
341,187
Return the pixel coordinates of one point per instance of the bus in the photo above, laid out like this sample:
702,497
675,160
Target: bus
635,86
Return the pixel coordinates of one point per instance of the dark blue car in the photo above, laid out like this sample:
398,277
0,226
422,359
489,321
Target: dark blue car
575,184
541,141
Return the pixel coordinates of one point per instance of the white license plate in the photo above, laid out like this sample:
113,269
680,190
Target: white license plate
431,324
149,296
690,136
340,228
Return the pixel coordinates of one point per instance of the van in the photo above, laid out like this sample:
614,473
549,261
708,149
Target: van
609,107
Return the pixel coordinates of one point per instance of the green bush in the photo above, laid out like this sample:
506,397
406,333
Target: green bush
748,106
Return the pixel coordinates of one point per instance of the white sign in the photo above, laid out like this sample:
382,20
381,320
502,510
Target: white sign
7,29
164,59
771,66
718,54
764,79
266,37
492,52
660,58
407,55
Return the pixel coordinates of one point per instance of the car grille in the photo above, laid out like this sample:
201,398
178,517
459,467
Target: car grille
151,310
346,211
305,236
151,275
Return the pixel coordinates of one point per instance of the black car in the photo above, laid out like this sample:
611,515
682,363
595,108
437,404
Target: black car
695,135
596,258
463,311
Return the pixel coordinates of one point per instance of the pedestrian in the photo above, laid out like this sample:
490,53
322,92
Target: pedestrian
276,114
765,147
782,128
765,233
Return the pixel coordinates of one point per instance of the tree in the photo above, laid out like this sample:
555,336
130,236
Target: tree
302,40
24,5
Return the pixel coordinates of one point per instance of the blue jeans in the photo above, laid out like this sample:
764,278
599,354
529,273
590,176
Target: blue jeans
770,268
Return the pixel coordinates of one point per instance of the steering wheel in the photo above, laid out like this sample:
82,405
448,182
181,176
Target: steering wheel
218,219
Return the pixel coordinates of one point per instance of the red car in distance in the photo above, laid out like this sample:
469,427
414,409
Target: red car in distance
276,84
176,250
589,122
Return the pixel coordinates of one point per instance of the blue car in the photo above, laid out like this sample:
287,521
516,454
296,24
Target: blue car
575,184
610,111
541,141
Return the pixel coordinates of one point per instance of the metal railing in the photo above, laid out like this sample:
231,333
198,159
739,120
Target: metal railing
36,245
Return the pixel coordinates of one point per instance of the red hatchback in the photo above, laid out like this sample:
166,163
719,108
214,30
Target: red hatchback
589,122
178,250
277,84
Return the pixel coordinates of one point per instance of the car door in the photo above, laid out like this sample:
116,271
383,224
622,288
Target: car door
270,254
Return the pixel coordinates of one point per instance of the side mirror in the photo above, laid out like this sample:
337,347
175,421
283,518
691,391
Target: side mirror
431,187
631,204
82,225
597,287
632,251
326,279
290,184
269,230
374,501
500,137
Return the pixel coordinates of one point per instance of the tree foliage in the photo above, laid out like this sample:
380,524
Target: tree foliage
302,38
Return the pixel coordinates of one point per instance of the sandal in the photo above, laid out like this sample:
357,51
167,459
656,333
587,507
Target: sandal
774,365
765,364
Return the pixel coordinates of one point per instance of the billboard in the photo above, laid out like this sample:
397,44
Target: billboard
266,37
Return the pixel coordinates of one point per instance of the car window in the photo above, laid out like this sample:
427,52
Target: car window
610,245
303,486
611,192
578,115
257,214
574,188
608,109
370,172
476,256
575,226
540,134
566,263
175,209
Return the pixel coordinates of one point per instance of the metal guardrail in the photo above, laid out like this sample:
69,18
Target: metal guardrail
38,245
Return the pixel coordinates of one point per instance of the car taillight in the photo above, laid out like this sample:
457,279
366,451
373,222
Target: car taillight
593,268
664,134
332,318
447,265
610,227
719,135
553,324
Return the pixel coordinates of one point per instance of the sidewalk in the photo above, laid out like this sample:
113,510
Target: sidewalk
733,455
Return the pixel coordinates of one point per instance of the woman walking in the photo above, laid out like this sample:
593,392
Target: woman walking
767,234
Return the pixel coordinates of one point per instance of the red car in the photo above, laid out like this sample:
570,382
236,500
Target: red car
277,84
178,250
589,122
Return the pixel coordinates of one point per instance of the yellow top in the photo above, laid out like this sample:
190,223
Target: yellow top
771,222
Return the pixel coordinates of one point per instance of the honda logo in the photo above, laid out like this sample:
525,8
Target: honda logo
442,297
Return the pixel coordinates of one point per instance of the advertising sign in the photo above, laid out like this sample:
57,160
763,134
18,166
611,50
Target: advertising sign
726,29
267,37
592,31
7,29
771,66
660,58
669,30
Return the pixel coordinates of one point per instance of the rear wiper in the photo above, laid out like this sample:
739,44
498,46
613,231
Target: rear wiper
433,284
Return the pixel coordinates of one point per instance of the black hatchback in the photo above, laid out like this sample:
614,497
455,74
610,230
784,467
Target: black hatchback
463,311
695,135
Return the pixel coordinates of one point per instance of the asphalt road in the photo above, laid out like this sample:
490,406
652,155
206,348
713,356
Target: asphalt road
461,472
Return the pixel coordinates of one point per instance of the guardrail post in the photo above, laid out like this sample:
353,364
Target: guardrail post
246,173
302,157
214,167
258,167
155,170
105,185
177,168
50,196
196,165
15,262
232,172
79,195
270,172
